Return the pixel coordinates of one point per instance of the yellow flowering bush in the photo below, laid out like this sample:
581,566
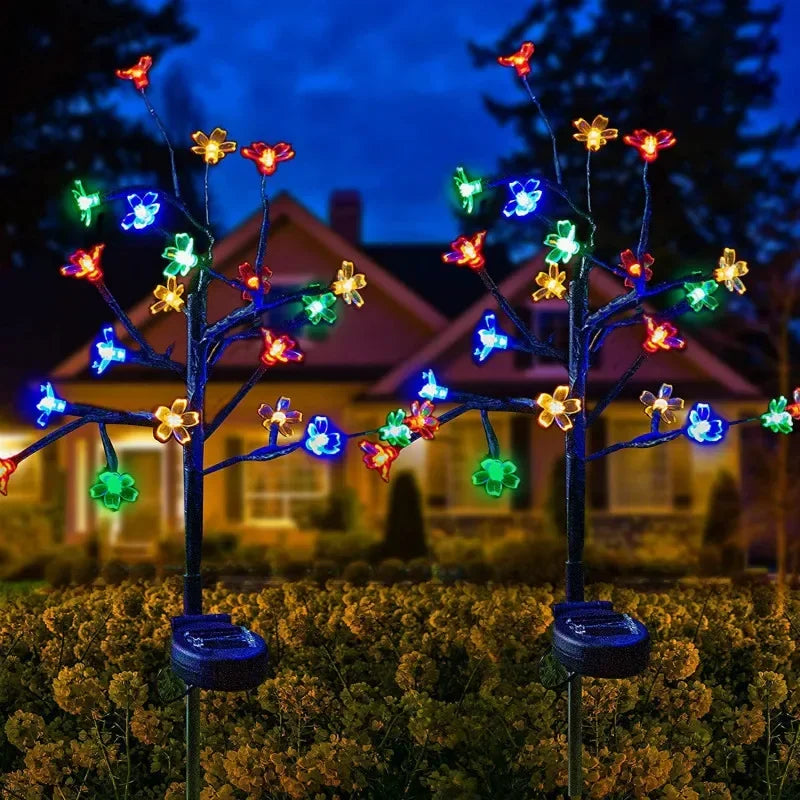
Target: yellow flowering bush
404,691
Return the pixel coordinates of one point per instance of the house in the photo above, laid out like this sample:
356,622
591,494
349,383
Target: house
418,315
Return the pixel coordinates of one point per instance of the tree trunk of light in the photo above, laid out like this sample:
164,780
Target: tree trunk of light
196,379
782,461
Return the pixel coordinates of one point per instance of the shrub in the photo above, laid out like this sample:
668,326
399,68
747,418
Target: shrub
218,546
84,570
323,569
722,525
114,572
357,572
343,546
419,570
390,570
516,558
142,571
58,571
405,526
294,570
341,513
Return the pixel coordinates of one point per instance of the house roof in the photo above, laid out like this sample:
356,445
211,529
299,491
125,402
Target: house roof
708,370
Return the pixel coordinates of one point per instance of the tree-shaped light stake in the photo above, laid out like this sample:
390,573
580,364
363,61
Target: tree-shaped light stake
589,638
208,651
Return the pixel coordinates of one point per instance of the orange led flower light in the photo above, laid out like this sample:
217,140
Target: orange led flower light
420,419
519,60
661,336
467,251
379,456
280,416
266,157
634,268
7,468
212,147
174,421
594,135
85,264
137,73
557,407
247,275
648,144
169,296
278,349
731,271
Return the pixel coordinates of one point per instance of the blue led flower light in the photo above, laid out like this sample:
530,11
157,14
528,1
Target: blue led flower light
320,440
705,427
525,198
49,404
108,350
430,390
488,338
143,211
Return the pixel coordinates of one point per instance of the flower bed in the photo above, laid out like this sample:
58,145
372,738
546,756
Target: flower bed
403,691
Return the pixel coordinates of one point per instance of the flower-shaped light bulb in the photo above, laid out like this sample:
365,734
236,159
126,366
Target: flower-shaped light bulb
519,60
143,211
777,418
562,242
704,426
648,144
664,404
85,264
379,457
794,408
495,475
7,468
320,307
552,283
557,408
170,297
637,271
488,338
596,135
248,276
524,198
49,404
420,419
730,271
347,284
174,421
108,351
114,488
137,73
213,147
280,416
700,295
395,431
467,251
181,256
467,189
661,336
267,157
430,389
321,438
278,349
85,202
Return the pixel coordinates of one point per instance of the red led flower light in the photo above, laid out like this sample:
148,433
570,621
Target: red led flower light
278,349
137,73
7,468
247,276
266,157
661,336
634,268
519,60
83,264
421,420
379,456
466,251
648,144
794,408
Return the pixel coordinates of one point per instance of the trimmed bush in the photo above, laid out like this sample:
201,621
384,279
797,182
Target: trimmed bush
323,569
357,572
722,531
405,526
143,571
114,572
84,570
419,570
58,571
390,570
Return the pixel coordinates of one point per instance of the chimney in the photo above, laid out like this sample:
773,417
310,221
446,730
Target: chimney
344,212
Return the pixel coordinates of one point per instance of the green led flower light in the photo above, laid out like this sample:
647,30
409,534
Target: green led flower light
114,488
319,308
700,294
777,418
181,256
563,243
85,202
496,475
395,431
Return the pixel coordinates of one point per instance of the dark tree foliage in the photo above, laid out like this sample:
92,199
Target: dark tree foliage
405,526
61,125
697,67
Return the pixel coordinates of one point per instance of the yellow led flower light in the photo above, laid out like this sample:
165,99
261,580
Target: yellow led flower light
169,296
556,407
174,421
212,147
347,284
730,271
594,135
665,404
552,283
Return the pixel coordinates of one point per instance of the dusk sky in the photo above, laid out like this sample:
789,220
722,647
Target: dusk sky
393,126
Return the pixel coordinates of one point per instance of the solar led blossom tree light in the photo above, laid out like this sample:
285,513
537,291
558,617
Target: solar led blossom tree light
208,651
589,638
